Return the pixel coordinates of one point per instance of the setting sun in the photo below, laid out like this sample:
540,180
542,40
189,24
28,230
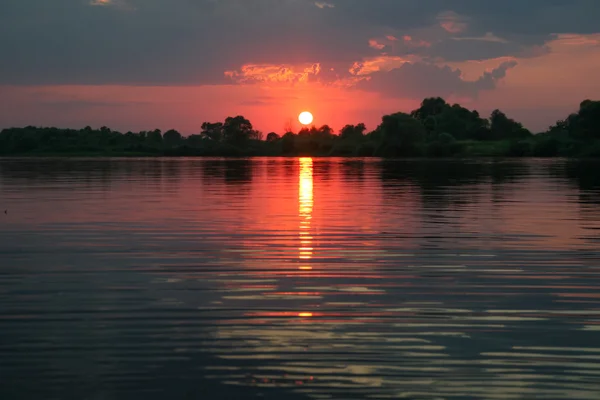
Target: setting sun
305,118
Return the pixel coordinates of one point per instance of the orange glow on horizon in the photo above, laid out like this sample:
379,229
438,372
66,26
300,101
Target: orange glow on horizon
282,91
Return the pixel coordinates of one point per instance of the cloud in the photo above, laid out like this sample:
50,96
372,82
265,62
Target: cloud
121,4
569,39
488,37
373,43
287,75
419,80
452,22
477,48
391,76
100,3
269,73
323,4
412,42
379,64
83,42
393,45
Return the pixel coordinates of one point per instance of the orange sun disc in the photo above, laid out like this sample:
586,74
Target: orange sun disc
305,118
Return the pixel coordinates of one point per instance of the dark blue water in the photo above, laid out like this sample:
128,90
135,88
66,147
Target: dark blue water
299,278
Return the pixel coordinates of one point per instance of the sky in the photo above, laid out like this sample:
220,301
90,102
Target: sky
146,64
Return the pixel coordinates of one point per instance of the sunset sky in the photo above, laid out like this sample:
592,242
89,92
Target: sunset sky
145,64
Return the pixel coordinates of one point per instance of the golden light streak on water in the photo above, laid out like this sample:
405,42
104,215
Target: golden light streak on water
305,208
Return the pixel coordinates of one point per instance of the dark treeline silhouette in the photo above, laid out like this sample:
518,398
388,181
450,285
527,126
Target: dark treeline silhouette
435,129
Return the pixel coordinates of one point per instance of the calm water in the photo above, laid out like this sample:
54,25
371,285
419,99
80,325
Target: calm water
299,278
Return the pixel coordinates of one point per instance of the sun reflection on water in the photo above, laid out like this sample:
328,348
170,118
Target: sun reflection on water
305,208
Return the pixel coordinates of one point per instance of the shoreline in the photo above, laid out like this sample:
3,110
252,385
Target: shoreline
285,156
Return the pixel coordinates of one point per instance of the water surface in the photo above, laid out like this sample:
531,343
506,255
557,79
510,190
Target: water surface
299,278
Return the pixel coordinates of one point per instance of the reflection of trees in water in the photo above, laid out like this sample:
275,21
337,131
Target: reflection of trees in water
212,169
102,172
353,169
428,174
503,175
580,174
322,169
443,182
229,171
436,173
171,169
238,171
585,176
584,173
510,171
170,175
97,172
439,181
274,168
451,192
290,167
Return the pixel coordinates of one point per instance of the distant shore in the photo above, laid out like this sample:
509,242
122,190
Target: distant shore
435,130
536,147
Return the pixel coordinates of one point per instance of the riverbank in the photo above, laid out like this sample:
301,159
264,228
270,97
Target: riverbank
435,130
534,147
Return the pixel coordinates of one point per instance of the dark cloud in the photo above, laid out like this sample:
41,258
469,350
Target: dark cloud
196,41
475,48
534,18
419,80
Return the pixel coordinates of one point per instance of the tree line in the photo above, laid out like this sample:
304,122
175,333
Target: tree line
435,129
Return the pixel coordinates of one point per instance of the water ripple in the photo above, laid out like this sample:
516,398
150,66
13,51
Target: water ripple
304,278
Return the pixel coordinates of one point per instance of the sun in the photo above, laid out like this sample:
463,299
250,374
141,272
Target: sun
305,118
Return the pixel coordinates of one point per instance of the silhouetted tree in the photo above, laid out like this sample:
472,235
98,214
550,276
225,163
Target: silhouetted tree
212,131
289,126
430,107
586,123
503,127
155,137
435,129
272,136
438,117
257,135
288,143
324,131
305,131
195,141
400,134
237,129
353,131
172,138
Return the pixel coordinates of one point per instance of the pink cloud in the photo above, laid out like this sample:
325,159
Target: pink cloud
411,42
376,45
120,4
381,63
452,22
272,73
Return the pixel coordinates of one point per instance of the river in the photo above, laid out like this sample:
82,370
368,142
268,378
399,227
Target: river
299,278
